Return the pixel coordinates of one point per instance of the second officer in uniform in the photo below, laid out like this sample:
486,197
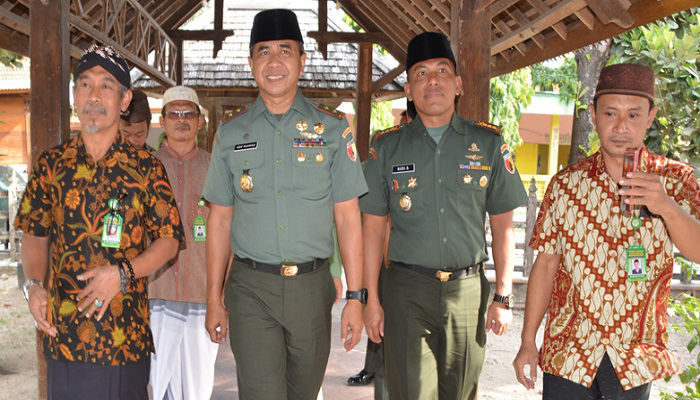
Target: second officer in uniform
437,177
289,168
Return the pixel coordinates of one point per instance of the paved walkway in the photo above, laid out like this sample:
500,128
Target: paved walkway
341,365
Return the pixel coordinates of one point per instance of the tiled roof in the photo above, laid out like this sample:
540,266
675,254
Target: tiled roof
230,68
13,78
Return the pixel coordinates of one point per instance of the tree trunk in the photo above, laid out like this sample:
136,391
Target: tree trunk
589,60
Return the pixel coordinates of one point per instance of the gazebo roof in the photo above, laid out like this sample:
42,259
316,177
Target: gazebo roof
228,75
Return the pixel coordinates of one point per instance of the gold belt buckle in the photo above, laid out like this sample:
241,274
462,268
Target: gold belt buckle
289,270
443,276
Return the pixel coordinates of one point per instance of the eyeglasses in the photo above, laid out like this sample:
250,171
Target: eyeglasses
187,114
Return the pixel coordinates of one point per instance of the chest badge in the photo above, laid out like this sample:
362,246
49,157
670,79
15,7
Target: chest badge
319,128
483,181
467,179
405,202
319,158
301,157
302,125
246,181
474,157
412,183
474,148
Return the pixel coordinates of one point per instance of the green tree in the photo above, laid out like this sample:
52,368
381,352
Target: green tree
10,59
510,94
671,48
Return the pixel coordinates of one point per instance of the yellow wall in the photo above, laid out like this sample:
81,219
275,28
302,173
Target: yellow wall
526,158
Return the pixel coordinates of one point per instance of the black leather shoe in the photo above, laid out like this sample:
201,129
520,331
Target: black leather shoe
362,378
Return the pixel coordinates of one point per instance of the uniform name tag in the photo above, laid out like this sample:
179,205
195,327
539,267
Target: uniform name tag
245,146
403,168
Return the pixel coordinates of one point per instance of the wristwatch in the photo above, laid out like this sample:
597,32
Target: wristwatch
27,284
507,300
360,295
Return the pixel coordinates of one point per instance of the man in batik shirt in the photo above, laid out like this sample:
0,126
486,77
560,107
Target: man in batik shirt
89,204
606,331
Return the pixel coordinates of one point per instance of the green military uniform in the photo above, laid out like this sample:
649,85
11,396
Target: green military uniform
437,195
300,164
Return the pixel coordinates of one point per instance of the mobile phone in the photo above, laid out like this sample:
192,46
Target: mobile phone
630,164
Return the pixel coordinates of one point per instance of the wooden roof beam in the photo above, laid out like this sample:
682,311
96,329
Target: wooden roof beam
645,11
542,9
612,11
586,16
349,37
518,16
387,78
391,22
21,25
435,17
499,6
14,41
554,15
368,25
418,15
206,34
505,30
322,27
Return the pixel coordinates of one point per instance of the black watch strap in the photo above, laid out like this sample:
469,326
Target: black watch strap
360,295
507,300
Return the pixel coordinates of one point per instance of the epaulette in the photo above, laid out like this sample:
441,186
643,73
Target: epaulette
489,127
330,111
233,114
385,132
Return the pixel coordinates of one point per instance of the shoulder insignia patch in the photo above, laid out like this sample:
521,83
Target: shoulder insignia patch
330,111
384,133
233,114
489,127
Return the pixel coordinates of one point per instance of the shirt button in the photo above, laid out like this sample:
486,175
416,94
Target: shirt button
278,161
280,192
444,240
442,211
282,227
175,274
438,152
245,162
179,204
439,180
179,162
180,181
279,132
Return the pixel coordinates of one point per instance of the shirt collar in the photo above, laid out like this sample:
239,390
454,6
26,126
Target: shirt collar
299,105
119,144
416,127
597,167
187,157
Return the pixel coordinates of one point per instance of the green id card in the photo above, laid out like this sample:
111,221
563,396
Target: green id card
637,264
112,231
200,230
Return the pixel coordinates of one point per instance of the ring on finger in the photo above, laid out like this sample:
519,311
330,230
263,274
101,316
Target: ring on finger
98,303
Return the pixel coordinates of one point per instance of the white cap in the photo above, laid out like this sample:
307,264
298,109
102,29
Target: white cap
180,93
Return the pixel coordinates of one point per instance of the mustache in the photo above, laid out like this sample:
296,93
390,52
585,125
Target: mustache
92,108
183,126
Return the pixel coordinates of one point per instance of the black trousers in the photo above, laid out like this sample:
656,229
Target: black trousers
606,385
87,381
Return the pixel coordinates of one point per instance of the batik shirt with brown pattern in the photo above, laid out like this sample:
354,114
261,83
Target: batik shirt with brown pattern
66,199
594,308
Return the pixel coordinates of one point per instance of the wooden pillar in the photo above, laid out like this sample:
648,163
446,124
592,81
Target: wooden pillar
553,165
49,50
50,71
473,60
364,100
179,61
323,26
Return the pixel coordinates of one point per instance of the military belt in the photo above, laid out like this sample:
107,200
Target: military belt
440,274
288,269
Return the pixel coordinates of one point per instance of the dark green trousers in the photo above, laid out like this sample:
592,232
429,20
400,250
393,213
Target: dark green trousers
280,331
434,335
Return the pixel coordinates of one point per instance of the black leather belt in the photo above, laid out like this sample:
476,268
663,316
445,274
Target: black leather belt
285,269
439,274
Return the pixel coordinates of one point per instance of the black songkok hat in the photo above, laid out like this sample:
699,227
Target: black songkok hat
139,110
276,24
427,46
107,58
630,79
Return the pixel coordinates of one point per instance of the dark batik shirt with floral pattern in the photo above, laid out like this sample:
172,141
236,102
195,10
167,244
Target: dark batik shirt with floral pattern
66,199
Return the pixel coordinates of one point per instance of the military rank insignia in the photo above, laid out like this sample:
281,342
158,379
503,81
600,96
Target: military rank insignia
507,159
489,127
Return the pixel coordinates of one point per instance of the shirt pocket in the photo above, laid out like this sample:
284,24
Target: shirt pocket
251,163
406,199
311,172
